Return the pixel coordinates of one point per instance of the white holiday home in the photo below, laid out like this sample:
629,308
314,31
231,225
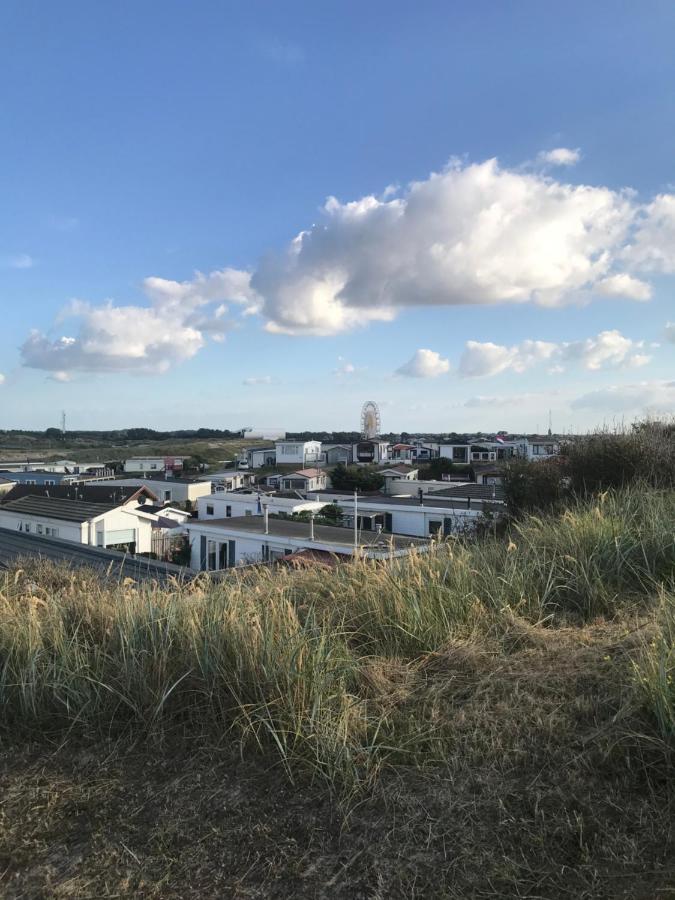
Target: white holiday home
224,543
120,525
410,516
152,464
304,480
303,453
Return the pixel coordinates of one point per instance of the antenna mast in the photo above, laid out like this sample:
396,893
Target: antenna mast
63,422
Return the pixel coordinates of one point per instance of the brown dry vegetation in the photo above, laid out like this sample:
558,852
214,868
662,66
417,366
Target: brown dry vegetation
493,720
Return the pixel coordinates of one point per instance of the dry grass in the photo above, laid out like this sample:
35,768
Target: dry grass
491,720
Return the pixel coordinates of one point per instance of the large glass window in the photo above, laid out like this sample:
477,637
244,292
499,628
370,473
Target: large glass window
211,556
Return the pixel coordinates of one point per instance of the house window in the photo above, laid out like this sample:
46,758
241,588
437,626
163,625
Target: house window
38,528
167,495
51,532
211,556
228,512
49,481
248,512
459,454
435,527
153,465
209,509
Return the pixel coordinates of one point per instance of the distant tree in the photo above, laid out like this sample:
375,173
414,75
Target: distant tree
436,469
531,486
356,478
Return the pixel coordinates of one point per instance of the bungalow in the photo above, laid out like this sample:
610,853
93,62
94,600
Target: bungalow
332,454
394,474
222,543
260,457
298,452
416,516
154,464
304,480
114,524
541,448
402,452
455,452
230,480
371,452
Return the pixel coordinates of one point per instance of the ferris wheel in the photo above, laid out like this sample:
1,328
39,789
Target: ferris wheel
370,420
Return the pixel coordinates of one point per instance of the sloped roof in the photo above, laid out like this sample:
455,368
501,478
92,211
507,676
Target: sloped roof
89,493
15,545
307,473
54,508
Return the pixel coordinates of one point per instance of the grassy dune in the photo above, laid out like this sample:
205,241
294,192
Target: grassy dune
519,690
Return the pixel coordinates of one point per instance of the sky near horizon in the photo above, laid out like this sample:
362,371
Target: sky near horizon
222,214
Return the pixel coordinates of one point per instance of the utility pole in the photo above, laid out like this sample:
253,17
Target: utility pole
63,422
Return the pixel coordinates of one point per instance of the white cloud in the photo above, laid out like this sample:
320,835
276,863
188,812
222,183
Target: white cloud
653,248
561,156
344,367
609,348
646,396
2,378
479,359
425,364
20,261
624,285
253,380
475,234
141,339
669,332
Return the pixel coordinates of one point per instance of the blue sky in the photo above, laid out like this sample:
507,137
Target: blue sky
144,143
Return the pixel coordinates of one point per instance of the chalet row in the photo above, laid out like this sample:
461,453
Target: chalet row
379,452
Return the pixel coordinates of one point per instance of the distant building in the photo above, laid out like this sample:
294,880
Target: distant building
154,464
303,453
393,475
261,457
304,480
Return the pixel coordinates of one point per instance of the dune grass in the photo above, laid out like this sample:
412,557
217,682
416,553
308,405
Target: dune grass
318,669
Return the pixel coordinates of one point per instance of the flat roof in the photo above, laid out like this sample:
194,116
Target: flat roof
429,500
16,545
323,534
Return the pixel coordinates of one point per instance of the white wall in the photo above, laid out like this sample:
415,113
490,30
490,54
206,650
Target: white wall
413,520
298,452
67,531
247,504
99,531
